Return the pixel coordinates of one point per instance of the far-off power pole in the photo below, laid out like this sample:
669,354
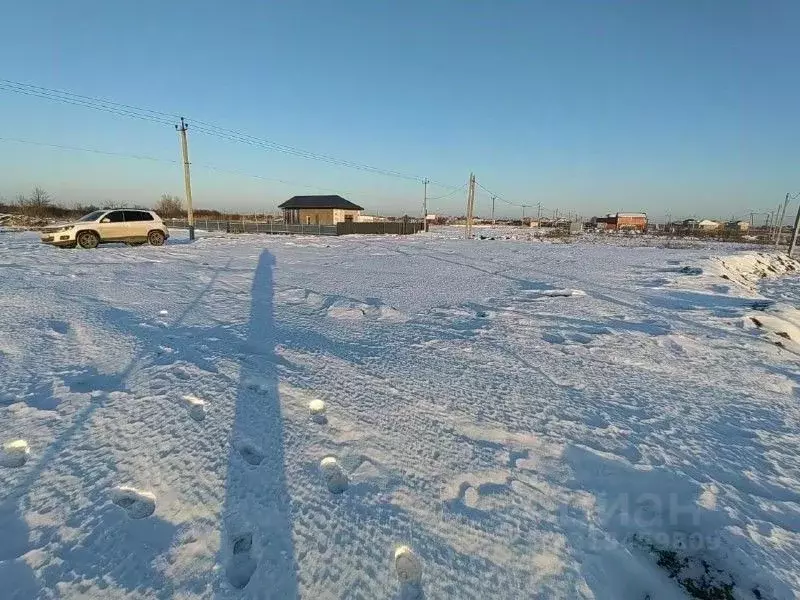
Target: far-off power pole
187,179
470,206
425,183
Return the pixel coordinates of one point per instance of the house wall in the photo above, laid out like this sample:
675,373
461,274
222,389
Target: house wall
709,226
340,216
319,216
623,222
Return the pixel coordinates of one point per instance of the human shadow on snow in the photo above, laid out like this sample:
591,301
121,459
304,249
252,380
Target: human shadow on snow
256,546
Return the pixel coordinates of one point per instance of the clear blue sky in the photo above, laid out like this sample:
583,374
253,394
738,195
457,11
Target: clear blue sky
681,106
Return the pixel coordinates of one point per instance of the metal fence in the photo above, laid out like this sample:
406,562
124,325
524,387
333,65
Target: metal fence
349,227
253,227
379,227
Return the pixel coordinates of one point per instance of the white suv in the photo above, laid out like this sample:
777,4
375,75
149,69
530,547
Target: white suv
133,227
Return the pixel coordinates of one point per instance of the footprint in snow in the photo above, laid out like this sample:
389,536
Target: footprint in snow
197,407
316,409
567,293
241,566
335,478
409,573
250,453
580,338
137,504
553,338
14,453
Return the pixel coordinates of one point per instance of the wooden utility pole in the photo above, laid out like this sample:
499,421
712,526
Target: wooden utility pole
470,206
780,220
794,234
187,180
425,204
775,222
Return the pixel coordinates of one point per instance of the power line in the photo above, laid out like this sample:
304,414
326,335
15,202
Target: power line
498,197
91,150
269,145
87,98
461,189
202,166
76,100
164,118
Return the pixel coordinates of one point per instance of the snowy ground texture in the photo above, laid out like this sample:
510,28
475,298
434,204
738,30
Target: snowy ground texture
532,420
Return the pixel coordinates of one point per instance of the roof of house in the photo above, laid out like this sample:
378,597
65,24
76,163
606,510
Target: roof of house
320,202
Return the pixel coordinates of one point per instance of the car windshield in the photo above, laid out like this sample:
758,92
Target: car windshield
92,216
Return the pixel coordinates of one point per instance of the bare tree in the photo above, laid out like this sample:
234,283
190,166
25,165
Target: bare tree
38,204
169,206
40,198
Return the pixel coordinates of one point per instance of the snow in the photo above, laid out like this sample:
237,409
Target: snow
522,419
136,503
14,453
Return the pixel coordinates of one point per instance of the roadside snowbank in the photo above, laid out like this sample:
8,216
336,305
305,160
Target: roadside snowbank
749,269
778,322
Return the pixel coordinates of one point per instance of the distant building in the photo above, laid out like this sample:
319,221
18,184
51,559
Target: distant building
621,221
636,221
742,226
319,210
372,219
708,225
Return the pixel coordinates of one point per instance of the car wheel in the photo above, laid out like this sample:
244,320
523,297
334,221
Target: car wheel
88,239
156,238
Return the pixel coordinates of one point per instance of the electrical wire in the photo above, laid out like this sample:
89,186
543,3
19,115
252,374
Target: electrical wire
87,98
203,127
268,145
205,166
463,188
108,107
91,150
498,197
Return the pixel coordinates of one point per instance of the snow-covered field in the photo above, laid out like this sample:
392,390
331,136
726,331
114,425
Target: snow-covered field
532,420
